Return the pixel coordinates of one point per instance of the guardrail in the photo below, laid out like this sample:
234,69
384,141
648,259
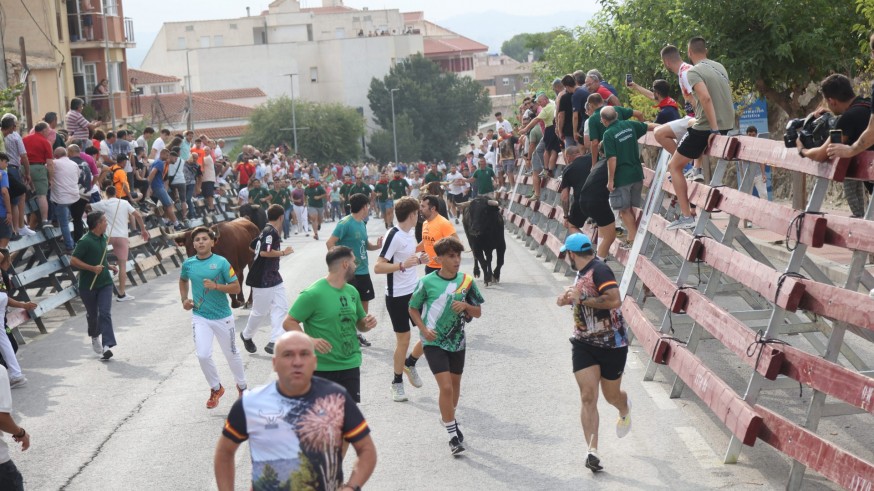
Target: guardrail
687,277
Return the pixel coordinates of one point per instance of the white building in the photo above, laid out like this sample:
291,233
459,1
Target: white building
333,51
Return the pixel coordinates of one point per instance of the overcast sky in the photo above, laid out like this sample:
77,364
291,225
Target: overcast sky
149,15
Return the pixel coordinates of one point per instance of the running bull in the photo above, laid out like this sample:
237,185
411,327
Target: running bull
484,227
232,241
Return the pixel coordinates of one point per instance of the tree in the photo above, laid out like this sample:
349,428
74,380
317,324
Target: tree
443,108
9,99
381,144
518,46
326,132
268,481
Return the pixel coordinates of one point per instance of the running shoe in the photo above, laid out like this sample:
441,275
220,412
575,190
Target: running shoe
413,376
269,348
126,298
214,396
690,174
623,423
363,341
17,382
455,446
248,344
458,432
593,463
107,354
683,222
46,224
25,230
626,246
96,346
397,392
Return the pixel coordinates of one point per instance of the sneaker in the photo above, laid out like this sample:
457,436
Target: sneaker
17,382
107,354
178,227
127,298
269,348
456,220
249,344
149,202
455,446
397,392
623,424
240,392
698,177
458,432
96,346
690,174
626,246
683,222
25,230
46,225
363,341
593,463
413,376
214,396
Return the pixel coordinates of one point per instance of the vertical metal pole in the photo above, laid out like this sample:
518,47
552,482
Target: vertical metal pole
106,55
190,124
293,112
394,130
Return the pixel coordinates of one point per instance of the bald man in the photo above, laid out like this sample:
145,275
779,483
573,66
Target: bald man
284,420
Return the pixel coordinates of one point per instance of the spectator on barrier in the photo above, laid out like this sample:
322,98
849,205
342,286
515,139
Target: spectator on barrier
207,176
65,194
54,138
118,233
624,171
87,156
159,144
8,346
578,103
853,114
564,116
19,171
596,127
11,476
39,154
715,111
6,221
119,177
156,187
668,108
866,139
595,85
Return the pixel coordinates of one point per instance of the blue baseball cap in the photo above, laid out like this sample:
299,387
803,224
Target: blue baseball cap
577,243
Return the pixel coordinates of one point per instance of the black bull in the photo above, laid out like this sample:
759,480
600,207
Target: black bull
484,227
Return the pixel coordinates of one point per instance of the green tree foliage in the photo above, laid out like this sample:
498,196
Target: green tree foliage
305,477
269,480
9,98
333,131
443,108
381,144
773,48
518,46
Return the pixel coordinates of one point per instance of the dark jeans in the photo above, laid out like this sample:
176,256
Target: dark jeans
77,209
10,478
98,305
189,194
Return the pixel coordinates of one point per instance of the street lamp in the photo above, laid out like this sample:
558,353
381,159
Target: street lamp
394,130
293,115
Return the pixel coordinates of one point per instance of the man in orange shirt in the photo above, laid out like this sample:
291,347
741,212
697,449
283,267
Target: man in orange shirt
435,228
119,177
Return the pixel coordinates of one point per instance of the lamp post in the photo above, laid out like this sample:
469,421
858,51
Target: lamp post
293,114
190,124
394,130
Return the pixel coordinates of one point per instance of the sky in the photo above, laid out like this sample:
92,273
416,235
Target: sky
148,16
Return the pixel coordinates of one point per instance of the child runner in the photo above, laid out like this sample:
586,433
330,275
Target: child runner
212,279
448,300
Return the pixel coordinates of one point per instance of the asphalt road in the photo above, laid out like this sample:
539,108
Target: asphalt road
140,422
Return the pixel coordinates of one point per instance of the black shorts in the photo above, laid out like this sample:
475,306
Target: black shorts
399,312
364,285
440,360
349,379
611,360
576,217
551,143
207,189
457,198
693,144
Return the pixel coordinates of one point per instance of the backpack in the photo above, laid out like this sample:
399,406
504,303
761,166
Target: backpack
85,179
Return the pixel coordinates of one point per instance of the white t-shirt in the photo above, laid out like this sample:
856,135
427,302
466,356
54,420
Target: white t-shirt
208,169
503,124
122,215
141,142
65,181
455,185
5,407
175,170
684,79
218,152
397,246
415,184
243,195
157,146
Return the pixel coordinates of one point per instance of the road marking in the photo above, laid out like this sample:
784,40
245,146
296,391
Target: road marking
659,396
699,448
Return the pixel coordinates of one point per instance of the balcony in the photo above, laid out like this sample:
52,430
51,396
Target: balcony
87,30
129,30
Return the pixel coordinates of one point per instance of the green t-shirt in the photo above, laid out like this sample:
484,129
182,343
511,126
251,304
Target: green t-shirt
89,250
331,314
535,135
345,190
281,197
360,189
620,141
432,177
397,188
258,195
434,296
547,113
382,191
484,180
312,192
353,234
209,304
596,127
715,77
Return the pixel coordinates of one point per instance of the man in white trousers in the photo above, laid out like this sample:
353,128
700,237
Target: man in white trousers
299,205
268,292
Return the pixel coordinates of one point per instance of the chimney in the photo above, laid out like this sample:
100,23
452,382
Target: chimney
248,14
530,56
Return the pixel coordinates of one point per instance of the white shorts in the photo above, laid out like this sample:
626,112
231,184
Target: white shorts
679,126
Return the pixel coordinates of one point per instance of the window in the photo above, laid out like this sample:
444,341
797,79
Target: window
189,28
180,43
78,65
110,7
340,33
218,40
116,77
526,79
309,32
233,26
356,19
314,74
204,41
90,78
260,35
506,82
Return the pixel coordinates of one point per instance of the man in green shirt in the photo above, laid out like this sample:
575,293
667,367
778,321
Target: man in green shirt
345,192
257,194
359,188
316,195
330,311
597,128
433,175
281,195
95,284
624,172
484,177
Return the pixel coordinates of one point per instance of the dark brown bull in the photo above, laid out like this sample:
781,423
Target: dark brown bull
231,242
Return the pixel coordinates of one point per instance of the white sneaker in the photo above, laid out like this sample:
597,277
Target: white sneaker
397,392
25,230
126,298
96,346
413,376
17,382
623,423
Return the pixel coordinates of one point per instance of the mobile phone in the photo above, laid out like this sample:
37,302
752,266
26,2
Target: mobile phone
627,79
835,136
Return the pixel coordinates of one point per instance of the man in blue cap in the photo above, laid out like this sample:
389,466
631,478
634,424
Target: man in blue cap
599,341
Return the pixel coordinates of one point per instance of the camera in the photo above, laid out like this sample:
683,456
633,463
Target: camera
813,131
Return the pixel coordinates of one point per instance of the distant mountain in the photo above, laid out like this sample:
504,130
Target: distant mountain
493,28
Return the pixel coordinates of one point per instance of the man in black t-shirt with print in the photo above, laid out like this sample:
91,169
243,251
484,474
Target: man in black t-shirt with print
268,292
573,179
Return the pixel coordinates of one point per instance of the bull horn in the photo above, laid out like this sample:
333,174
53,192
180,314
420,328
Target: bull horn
463,206
177,236
493,203
256,207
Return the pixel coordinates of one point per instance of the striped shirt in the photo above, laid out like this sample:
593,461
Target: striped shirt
77,125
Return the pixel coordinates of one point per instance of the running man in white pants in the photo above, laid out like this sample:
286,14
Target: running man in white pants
212,279
299,205
16,378
268,292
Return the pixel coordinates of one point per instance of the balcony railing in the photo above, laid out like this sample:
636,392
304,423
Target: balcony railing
129,30
88,26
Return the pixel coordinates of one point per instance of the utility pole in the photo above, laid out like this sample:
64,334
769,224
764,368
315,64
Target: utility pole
111,95
293,114
394,129
190,124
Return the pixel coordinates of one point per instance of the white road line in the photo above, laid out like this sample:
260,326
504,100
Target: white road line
659,395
